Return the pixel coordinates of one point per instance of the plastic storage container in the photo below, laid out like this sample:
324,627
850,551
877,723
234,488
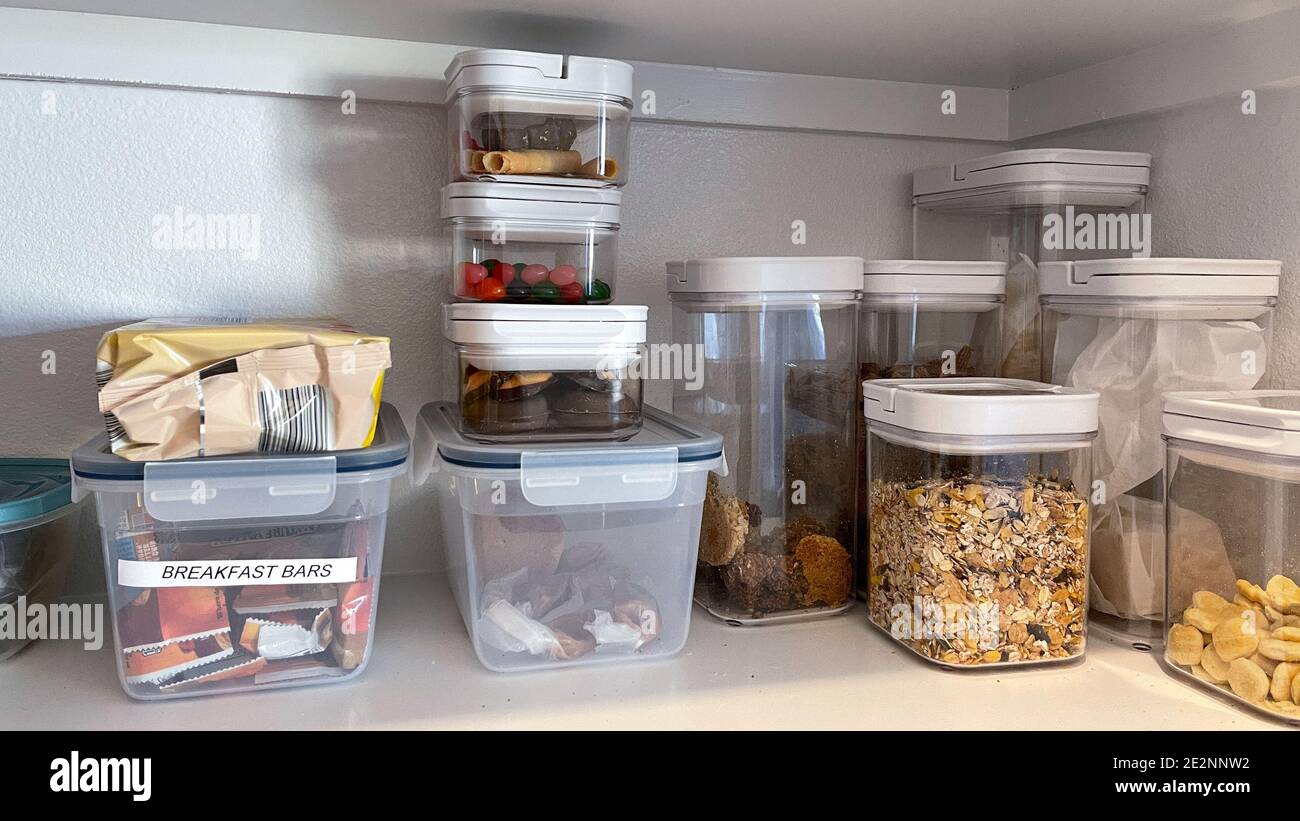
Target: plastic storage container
920,319
529,117
571,554
243,572
529,372
38,532
1026,207
772,342
1232,610
979,492
532,243
1133,329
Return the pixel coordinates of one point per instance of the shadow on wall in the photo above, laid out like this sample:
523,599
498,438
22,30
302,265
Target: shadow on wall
379,168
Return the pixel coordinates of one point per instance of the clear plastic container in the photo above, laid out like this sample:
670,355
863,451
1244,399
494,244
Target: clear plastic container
529,372
1232,604
1026,207
773,340
921,319
527,117
572,554
1133,329
38,533
238,573
979,494
532,243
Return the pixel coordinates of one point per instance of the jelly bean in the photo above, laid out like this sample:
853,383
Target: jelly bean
490,290
519,269
533,274
572,292
491,264
564,274
599,291
546,291
503,271
473,273
519,290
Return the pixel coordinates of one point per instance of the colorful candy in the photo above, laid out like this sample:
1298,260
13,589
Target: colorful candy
563,275
493,280
533,274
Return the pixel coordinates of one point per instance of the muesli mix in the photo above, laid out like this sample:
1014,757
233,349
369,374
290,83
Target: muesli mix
976,570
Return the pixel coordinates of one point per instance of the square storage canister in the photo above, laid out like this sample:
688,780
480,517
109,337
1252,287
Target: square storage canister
1132,330
1232,603
979,493
230,573
774,342
1026,207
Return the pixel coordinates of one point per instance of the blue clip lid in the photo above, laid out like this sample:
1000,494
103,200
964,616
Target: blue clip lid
32,488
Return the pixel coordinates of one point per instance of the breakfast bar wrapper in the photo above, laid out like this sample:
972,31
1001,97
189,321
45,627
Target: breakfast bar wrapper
290,400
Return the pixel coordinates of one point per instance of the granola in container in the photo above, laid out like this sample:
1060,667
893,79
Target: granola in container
979,518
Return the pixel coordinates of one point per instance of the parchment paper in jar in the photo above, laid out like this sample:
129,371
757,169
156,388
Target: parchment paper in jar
1132,362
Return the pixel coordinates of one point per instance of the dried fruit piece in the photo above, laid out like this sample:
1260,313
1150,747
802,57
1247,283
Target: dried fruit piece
1211,603
1265,664
1202,620
1284,593
1253,592
1236,636
524,384
724,525
1280,650
1295,689
1286,633
1283,675
1247,680
1185,645
1216,669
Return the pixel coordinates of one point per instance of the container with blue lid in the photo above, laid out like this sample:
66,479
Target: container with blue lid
243,572
37,534
570,553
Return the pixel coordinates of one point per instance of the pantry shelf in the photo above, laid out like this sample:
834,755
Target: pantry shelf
832,674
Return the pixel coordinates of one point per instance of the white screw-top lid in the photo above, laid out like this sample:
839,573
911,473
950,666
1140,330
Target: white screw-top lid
1064,166
738,275
1161,277
1257,421
503,200
502,69
971,406
488,323
919,276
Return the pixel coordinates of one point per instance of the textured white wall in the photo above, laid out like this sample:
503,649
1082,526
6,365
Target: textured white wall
349,227
1223,184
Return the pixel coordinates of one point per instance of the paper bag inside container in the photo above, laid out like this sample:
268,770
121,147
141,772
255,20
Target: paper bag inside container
1131,363
291,400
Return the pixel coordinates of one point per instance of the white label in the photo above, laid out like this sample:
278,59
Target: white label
132,573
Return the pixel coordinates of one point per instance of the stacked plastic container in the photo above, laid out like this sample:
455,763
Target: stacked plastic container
244,572
570,510
538,154
1027,207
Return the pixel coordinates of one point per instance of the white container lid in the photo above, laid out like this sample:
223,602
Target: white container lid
1160,277
971,406
494,69
1066,166
493,323
552,203
765,275
1257,421
911,276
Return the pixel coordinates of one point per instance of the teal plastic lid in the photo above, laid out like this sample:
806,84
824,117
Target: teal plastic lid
32,488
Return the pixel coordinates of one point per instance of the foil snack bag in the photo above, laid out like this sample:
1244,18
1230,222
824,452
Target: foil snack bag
174,390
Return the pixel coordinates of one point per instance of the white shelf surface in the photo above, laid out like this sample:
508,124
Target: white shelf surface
831,674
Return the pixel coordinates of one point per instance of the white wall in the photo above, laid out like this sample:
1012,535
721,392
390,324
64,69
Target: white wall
349,227
1223,184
